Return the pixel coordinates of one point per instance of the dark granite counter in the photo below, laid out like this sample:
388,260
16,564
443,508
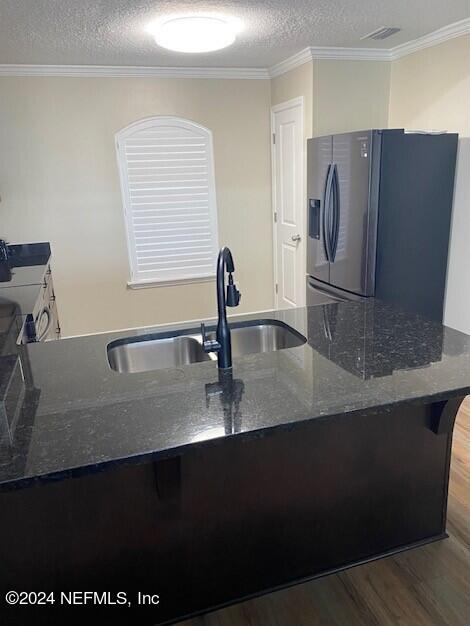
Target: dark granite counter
19,290
26,264
79,416
28,254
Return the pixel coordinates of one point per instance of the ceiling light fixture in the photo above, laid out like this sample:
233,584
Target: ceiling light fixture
195,33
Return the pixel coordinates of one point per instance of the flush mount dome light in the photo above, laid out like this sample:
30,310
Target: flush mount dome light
195,34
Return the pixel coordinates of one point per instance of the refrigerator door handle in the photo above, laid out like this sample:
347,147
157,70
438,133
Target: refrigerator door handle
326,213
335,216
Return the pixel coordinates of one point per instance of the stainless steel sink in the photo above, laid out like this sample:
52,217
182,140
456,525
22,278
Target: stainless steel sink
264,337
151,352
154,354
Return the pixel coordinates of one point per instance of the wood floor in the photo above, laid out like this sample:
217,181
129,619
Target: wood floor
422,587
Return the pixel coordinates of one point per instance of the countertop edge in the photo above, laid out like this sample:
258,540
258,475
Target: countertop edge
157,455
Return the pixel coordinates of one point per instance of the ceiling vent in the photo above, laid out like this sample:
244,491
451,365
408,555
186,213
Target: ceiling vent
382,33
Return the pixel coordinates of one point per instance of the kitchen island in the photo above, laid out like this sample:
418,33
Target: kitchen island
205,490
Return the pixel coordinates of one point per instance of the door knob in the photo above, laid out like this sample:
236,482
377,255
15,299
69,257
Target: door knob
296,238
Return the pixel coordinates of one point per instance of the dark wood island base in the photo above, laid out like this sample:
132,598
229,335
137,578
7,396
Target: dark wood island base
229,520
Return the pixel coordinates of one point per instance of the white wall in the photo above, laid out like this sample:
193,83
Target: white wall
431,89
59,182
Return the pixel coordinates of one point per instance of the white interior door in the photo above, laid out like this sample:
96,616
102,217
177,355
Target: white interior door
288,200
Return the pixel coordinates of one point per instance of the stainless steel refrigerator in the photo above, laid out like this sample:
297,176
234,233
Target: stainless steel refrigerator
379,217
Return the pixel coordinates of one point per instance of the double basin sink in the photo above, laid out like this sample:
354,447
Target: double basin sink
168,350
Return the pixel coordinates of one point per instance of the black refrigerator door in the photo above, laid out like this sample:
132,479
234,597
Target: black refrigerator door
416,195
354,211
319,192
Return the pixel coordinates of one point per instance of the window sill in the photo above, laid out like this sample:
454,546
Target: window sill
147,284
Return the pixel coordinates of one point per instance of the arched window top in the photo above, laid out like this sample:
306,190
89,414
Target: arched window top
166,167
164,122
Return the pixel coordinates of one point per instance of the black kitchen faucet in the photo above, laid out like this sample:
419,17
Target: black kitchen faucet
222,344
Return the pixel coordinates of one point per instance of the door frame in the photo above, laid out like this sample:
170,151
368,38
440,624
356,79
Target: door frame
277,108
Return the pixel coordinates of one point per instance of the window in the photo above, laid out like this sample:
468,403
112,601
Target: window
167,181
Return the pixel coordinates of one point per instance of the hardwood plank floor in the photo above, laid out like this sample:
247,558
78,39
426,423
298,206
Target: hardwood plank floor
423,587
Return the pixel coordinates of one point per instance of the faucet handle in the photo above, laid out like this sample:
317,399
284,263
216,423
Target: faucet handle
233,295
208,345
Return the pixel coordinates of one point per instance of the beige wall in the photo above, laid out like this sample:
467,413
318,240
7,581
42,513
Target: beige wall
431,89
350,95
59,183
339,96
298,82
59,180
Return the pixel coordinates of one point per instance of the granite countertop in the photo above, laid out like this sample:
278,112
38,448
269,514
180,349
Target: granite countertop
79,416
28,255
20,285
19,289
27,263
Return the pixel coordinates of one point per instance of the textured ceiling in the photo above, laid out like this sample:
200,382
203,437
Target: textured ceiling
113,32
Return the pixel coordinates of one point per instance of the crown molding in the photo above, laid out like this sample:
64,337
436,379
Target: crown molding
372,54
352,54
252,73
432,39
313,53
297,59
109,71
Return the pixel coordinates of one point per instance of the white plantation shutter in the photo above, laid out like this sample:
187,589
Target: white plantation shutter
167,181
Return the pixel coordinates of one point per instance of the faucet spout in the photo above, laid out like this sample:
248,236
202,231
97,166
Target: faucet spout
223,343
225,263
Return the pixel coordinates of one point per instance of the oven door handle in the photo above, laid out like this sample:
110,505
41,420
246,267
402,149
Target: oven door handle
48,325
